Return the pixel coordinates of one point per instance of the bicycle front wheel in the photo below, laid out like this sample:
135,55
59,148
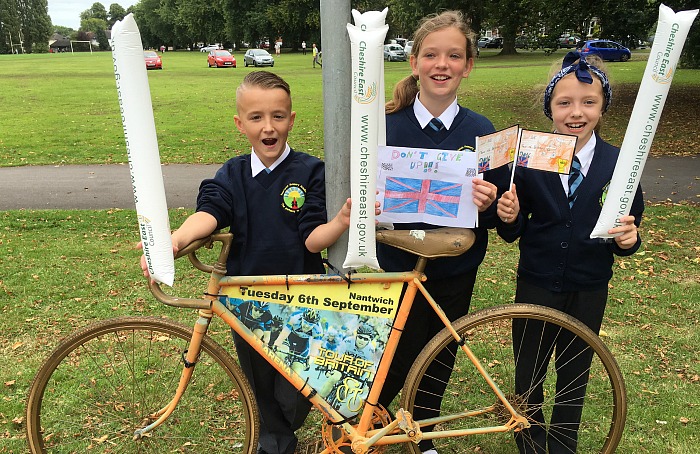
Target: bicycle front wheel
107,380
562,378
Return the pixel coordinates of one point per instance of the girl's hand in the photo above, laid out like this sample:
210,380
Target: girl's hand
483,193
629,232
508,206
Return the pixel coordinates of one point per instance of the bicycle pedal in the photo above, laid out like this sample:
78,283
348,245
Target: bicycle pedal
409,426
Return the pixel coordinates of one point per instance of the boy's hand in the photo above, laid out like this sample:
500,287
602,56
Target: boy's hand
344,213
629,232
144,265
508,206
483,193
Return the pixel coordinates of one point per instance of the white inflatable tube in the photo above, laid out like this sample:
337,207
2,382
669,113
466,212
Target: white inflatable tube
142,148
372,20
367,55
668,43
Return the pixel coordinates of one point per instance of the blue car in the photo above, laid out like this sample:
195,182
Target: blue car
606,50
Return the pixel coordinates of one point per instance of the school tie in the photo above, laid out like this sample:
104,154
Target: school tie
575,179
267,170
436,124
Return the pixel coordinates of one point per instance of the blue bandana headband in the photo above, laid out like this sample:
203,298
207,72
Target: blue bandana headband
583,73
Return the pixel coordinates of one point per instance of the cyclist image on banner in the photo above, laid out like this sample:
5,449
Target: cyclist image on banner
352,369
299,338
255,315
333,339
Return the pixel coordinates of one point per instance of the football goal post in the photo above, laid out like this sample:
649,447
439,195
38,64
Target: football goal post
76,41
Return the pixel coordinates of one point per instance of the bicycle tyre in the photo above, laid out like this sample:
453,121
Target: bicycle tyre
489,335
103,381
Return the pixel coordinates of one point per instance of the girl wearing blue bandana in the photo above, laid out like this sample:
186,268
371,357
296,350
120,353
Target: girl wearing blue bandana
560,265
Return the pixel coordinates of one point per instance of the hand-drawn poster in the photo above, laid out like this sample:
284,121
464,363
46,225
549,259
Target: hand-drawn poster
426,185
497,149
546,151
332,336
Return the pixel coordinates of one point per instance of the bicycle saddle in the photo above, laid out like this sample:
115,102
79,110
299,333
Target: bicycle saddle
442,242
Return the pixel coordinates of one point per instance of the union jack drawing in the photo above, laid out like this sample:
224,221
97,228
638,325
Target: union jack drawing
484,165
523,160
412,195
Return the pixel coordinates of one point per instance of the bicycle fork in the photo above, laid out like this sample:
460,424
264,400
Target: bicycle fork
189,358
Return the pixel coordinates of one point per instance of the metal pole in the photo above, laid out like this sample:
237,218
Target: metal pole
335,15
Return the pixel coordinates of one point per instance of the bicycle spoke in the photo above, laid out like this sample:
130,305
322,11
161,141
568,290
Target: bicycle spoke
105,384
496,338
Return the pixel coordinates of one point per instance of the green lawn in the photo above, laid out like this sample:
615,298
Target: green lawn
62,108
62,269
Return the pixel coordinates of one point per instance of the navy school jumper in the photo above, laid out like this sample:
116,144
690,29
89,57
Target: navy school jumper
270,216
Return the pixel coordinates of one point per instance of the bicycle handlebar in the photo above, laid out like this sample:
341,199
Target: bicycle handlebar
441,242
191,252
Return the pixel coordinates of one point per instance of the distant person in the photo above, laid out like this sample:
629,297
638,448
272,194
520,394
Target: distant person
303,48
560,265
278,47
315,52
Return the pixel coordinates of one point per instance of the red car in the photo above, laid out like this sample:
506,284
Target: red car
220,59
153,60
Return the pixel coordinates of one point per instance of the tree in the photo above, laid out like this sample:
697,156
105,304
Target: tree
24,22
96,11
405,14
690,58
63,31
9,25
116,13
97,27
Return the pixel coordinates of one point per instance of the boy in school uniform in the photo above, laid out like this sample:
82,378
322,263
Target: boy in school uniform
273,200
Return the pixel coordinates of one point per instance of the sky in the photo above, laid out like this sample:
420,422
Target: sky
67,12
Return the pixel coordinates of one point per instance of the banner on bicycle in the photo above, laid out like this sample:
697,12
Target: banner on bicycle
427,185
331,335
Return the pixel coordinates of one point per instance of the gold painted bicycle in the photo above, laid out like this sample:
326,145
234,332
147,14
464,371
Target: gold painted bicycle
147,384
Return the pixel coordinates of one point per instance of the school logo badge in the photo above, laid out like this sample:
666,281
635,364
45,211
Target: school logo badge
293,197
604,194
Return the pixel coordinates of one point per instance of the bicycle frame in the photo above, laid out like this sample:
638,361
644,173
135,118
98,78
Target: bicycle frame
361,437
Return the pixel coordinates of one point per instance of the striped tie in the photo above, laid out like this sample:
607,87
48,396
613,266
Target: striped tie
575,179
436,124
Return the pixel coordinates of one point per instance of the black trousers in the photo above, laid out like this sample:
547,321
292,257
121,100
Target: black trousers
533,345
454,295
282,409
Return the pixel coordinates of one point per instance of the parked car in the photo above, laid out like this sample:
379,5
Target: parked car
525,42
209,48
482,42
408,48
495,43
394,52
606,50
569,42
221,59
153,60
258,57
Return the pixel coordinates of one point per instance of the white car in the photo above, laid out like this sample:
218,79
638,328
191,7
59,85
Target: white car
408,48
210,48
394,52
258,57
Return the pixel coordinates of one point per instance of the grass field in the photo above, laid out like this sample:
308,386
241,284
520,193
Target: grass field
62,108
62,269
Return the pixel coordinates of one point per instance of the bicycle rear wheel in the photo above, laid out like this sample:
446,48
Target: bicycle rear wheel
494,336
104,381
